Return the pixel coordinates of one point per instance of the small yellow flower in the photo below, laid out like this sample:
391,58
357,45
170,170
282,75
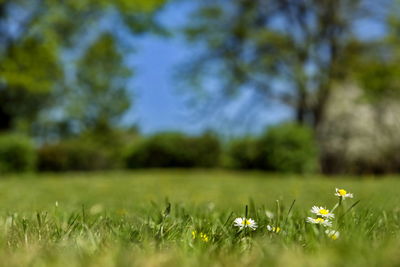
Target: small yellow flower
273,229
343,193
332,234
202,236
194,233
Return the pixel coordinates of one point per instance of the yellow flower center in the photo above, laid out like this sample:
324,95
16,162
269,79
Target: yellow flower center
319,220
324,211
342,192
334,237
246,222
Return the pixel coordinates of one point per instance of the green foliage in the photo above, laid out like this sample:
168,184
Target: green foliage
379,80
123,5
34,38
17,153
378,70
289,148
28,73
76,155
283,148
32,65
91,151
19,105
175,150
244,153
206,150
137,5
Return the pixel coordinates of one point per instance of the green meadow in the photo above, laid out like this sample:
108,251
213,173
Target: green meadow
186,218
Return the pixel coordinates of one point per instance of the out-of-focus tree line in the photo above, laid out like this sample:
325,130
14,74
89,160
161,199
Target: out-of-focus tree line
63,77
63,81
318,58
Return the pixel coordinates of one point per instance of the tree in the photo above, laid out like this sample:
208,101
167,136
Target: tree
28,72
378,70
33,36
100,96
28,65
290,50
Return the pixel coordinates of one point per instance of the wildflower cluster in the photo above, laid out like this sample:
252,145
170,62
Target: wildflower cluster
321,216
273,229
324,216
201,236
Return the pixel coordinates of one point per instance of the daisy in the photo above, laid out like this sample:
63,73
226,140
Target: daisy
323,212
273,229
333,234
245,223
321,221
343,193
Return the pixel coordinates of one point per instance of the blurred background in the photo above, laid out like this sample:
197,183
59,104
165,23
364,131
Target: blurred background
298,86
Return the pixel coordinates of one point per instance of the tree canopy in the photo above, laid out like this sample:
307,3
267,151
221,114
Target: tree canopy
292,51
34,37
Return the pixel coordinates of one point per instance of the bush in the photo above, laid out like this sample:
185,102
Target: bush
76,155
175,150
17,153
244,154
206,150
289,148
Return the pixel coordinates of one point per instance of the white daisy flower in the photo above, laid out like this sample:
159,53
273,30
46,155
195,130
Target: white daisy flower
343,193
273,229
245,223
333,234
321,221
323,212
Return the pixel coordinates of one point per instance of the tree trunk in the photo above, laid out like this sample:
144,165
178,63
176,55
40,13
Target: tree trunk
301,111
301,107
5,120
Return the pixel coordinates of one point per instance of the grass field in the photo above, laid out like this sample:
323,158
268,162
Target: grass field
124,219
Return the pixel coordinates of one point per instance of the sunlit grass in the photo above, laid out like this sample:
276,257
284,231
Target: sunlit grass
169,218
